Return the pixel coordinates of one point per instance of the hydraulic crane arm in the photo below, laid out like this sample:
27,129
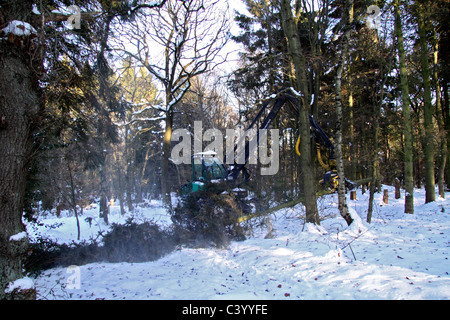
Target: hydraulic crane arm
279,100
279,103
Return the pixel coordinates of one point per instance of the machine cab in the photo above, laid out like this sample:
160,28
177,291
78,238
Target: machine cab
206,167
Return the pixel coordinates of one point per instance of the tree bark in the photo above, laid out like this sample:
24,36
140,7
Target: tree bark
342,200
20,109
440,119
73,199
165,182
354,163
386,196
129,175
374,182
407,129
430,185
301,85
446,114
103,206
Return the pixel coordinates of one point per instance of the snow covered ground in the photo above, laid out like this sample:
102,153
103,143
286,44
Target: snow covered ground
398,256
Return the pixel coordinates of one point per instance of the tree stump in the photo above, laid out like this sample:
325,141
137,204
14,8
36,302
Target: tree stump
353,195
397,188
386,196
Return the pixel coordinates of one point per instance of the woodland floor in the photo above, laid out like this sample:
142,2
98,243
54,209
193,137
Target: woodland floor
398,256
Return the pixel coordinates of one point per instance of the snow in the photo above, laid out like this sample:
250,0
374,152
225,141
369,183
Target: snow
357,225
19,28
297,94
180,95
64,229
21,284
35,10
19,236
62,10
397,256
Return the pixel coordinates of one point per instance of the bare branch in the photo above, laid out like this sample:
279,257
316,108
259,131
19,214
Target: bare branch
148,6
177,42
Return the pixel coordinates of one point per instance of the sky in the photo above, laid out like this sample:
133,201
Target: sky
232,46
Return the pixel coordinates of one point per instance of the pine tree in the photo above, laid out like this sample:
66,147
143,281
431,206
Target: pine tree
263,62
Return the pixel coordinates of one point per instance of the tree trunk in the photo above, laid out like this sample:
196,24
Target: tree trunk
374,183
73,199
430,185
446,114
299,62
103,207
165,182
353,149
440,119
342,200
130,158
121,190
129,182
407,130
20,109
386,196
398,193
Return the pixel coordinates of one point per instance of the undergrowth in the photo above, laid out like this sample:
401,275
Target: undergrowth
202,219
208,218
131,242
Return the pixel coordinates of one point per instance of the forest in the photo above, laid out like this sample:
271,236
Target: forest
98,100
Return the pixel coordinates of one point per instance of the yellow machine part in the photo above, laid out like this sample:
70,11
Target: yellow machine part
297,146
319,155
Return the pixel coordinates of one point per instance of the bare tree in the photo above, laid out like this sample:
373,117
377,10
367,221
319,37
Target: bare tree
175,44
207,101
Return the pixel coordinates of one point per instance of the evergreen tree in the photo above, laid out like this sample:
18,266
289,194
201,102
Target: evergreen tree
33,44
264,62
